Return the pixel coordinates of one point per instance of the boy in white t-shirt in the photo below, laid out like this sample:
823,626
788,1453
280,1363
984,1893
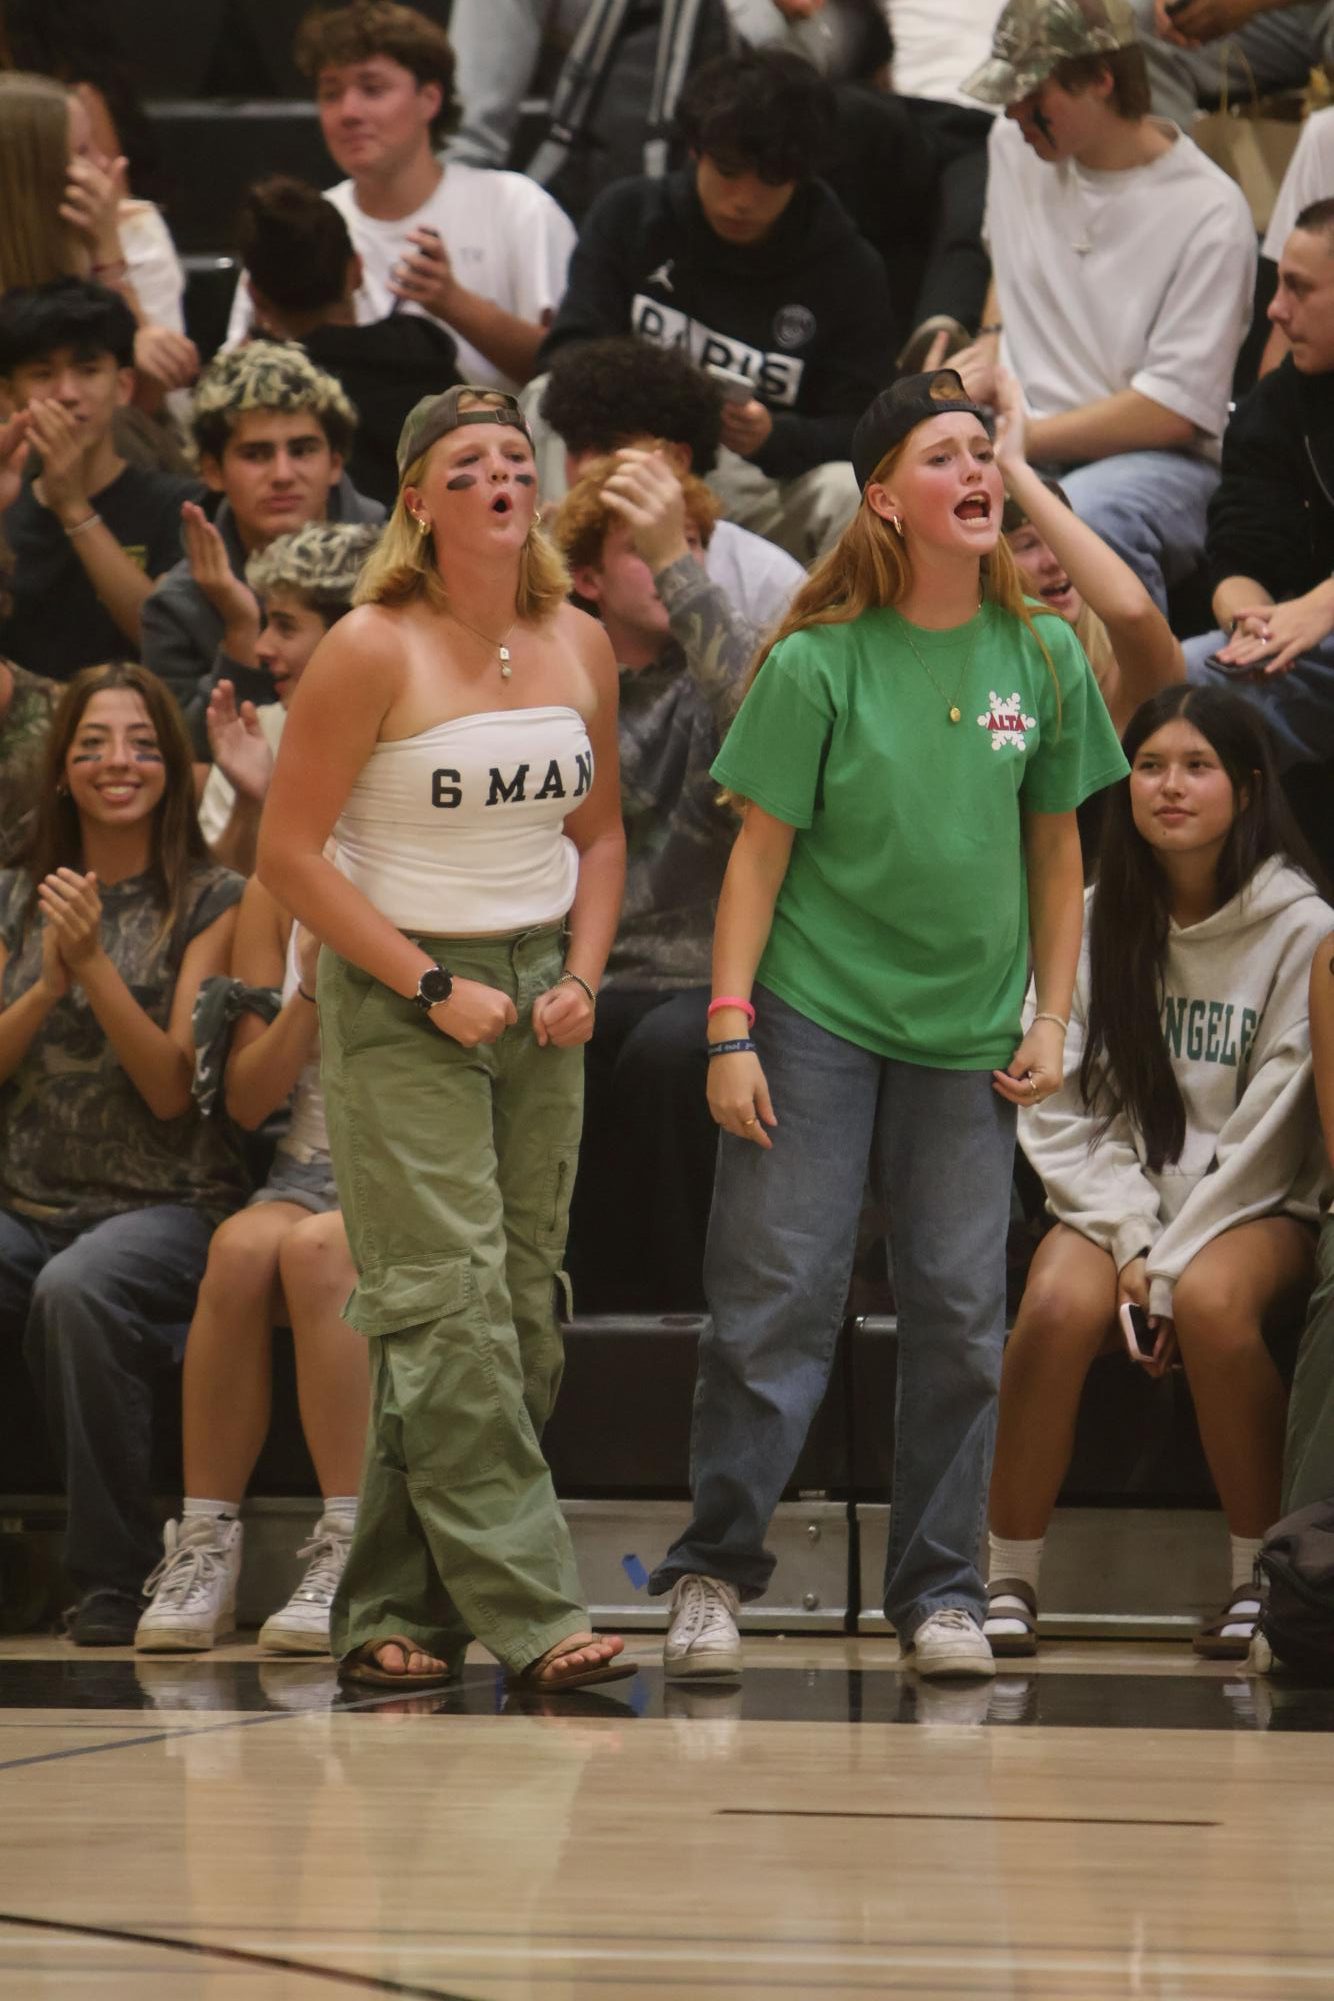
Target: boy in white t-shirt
483,252
1124,266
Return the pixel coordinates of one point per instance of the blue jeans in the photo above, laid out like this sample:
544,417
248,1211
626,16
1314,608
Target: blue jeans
1298,706
100,1316
781,1241
1151,507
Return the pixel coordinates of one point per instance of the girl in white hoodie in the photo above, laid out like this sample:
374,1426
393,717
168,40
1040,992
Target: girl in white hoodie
1181,1157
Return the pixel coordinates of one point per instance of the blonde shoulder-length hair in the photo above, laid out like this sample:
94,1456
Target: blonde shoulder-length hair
401,568
36,244
869,568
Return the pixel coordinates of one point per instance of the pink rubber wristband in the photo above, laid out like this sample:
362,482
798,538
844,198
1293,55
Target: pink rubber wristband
730,1000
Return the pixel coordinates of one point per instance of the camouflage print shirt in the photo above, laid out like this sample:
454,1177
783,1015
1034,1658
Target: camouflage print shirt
673,718
77,1141
23,730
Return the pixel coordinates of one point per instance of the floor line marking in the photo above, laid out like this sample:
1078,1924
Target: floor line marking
984,1819
369,1983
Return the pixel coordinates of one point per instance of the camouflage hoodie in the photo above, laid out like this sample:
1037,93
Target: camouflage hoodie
673,718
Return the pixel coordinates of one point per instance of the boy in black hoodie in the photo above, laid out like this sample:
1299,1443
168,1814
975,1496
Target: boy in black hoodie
751,265
1270,542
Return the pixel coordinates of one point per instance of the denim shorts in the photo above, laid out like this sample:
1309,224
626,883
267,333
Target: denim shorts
308,1183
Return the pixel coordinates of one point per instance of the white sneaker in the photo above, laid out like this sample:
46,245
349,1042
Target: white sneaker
302,1626
949,1643
702,1640
193,1589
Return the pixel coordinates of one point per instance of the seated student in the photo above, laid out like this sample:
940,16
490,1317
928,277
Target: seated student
1271,523
110,1183
748,262
482,253
271,431
603,394
1308,178
303,276
305,582
1124,274
1308,1452
88,533
1178,1158
1129,643
634,537
284,1257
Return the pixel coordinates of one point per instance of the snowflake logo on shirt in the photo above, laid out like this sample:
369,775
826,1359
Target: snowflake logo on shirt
1006,722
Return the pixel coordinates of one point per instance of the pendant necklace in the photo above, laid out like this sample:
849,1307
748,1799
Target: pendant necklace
953,710
500,644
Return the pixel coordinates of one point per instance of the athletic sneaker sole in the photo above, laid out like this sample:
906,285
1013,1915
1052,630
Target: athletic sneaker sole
183,1639
726,1667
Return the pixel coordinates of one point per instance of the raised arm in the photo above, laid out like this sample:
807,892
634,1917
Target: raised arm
1148,655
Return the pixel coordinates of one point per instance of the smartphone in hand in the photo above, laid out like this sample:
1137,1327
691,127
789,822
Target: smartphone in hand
1139,1336
735,387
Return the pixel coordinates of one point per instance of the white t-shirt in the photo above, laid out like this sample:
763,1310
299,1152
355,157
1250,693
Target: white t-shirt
219,795
1310,177
508,241
937,43
759,578
1140,279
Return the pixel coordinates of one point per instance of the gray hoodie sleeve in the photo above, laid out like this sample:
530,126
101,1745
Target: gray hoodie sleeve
1095,1184
1265,1144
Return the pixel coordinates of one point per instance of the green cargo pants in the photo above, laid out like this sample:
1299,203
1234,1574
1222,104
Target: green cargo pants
454,1170
1308,1455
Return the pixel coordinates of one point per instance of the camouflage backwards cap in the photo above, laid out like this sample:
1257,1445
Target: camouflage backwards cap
436,416
266,375
322,561
1033,36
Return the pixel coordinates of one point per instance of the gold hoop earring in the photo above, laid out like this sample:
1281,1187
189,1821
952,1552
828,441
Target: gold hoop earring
537,517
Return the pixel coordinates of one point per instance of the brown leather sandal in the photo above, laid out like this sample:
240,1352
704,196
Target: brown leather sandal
361,1665
1012,1646
534,1679
1212,1644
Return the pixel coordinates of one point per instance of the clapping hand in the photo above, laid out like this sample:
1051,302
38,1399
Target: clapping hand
233,600
239,746
14,450
72,908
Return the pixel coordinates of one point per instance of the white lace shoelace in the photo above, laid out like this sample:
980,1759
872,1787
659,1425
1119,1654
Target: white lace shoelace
188,1576
328,1554
705,1612
951,1620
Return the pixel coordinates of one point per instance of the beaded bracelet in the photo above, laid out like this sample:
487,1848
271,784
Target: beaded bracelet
736,1047
80,527
730,1000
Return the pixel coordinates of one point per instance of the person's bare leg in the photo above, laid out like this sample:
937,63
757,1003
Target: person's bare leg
1066,1315
332,1371
227,1388
1220,1306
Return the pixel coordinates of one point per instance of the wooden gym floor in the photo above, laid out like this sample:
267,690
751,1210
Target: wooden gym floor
1111,1821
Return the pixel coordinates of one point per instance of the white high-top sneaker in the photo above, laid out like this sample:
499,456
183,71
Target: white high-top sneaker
302,1626
193,1589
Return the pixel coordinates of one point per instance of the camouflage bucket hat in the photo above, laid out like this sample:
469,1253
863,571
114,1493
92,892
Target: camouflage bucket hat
1033,36
436,416
323,559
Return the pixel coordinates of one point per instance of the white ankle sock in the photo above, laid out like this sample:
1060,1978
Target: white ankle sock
342,1509
1021,1560
222,1511
1245,1549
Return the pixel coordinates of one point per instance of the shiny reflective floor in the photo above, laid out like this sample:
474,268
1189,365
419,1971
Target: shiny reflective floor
1118,1820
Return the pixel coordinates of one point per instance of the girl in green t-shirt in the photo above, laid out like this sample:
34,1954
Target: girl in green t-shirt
911,753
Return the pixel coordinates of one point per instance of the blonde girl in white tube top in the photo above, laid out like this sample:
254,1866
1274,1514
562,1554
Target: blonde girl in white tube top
457,731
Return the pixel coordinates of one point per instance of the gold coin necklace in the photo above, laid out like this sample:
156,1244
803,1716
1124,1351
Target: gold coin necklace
500,644
953,710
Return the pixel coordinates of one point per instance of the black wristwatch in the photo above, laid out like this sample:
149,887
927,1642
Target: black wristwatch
434,986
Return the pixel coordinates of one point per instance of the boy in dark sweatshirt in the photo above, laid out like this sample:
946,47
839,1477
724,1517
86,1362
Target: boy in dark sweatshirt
751,265
272,432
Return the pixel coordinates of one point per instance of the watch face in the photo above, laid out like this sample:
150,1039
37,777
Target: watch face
434,987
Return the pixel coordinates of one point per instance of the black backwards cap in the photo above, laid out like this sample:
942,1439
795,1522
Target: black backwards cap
436,416
910,401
